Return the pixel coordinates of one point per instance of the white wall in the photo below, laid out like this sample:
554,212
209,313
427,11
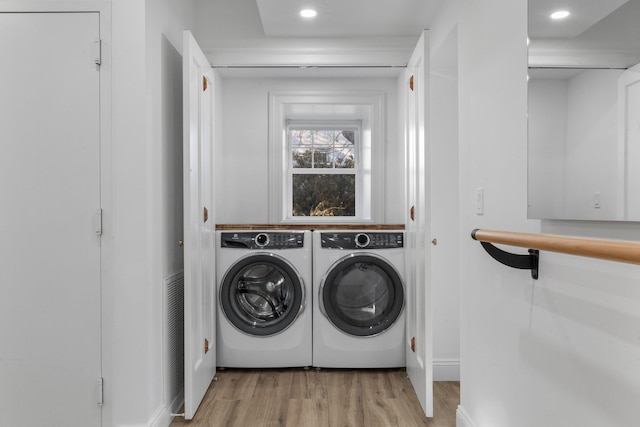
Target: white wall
560,351
592,144
573,150
165,22
242,157
125,295
147,204
547,135
444,286
444,193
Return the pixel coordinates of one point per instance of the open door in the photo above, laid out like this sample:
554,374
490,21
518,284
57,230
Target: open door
629,138
419,324
199,225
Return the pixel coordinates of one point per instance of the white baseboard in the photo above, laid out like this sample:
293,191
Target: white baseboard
463,419
163,417
446,370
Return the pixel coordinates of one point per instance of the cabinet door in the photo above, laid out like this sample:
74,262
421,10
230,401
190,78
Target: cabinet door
50,306
419,329
199,225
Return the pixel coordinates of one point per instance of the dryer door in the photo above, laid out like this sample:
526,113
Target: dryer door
362,295
262,294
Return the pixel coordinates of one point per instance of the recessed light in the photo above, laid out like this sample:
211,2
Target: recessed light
308,13
560,14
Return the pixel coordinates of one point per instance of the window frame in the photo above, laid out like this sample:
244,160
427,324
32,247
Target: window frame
365,107
353,125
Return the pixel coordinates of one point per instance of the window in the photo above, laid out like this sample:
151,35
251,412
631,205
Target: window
323,174
326,159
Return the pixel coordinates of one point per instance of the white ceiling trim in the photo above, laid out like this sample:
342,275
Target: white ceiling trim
582,58
317,57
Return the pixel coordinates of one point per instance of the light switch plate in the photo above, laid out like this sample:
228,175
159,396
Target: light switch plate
480,201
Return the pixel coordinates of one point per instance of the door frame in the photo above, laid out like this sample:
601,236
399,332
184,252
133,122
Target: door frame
103,8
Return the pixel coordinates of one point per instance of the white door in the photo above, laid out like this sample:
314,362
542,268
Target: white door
419,328
629,135
199,225
50,308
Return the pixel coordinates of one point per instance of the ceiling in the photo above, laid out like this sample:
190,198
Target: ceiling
346,18
359,33
598,33
585,13
378,36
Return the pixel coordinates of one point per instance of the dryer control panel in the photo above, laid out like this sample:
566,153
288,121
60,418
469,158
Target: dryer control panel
362,240
262,240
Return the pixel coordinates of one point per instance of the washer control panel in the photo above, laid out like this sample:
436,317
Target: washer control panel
262,240
362,240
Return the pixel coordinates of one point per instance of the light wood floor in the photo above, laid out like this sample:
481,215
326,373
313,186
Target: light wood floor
327,398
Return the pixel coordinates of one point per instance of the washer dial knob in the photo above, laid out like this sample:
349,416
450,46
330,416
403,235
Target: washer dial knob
362,240
262,240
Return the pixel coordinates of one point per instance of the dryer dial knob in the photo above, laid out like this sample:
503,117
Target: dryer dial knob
362,240
262,240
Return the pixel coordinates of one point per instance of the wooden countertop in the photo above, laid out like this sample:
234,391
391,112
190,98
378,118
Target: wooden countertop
310,227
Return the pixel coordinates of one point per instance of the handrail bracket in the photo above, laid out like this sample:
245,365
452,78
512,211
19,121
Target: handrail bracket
524,262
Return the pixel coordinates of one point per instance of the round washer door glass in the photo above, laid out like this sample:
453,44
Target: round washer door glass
362,295
262,294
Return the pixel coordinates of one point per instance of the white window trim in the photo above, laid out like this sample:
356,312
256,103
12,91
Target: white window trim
281,105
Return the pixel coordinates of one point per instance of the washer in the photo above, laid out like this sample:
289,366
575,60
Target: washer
359,294
264,310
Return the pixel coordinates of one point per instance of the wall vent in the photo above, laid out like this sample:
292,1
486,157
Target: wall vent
174,286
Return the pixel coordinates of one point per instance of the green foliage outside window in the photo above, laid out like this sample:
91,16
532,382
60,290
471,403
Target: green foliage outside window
314,191
324,195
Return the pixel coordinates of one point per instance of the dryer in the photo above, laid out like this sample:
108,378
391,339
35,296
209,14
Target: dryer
264,310
359,294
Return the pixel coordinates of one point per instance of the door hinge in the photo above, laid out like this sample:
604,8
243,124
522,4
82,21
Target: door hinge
411,83
204,83
97,52
413,344
100,391
98,222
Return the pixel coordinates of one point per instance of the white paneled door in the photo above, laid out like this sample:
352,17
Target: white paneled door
629,140
419,319
199,225
50,307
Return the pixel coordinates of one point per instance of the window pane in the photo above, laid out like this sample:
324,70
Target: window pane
323,158
344,149
324,195
323,144
301,158
301,148
322,148
301,137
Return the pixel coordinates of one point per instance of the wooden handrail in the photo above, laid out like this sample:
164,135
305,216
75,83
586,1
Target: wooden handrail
613,250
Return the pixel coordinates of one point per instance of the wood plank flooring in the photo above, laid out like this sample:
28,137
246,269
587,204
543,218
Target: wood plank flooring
323,398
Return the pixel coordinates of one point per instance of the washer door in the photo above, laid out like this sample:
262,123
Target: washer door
262,294
362,295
